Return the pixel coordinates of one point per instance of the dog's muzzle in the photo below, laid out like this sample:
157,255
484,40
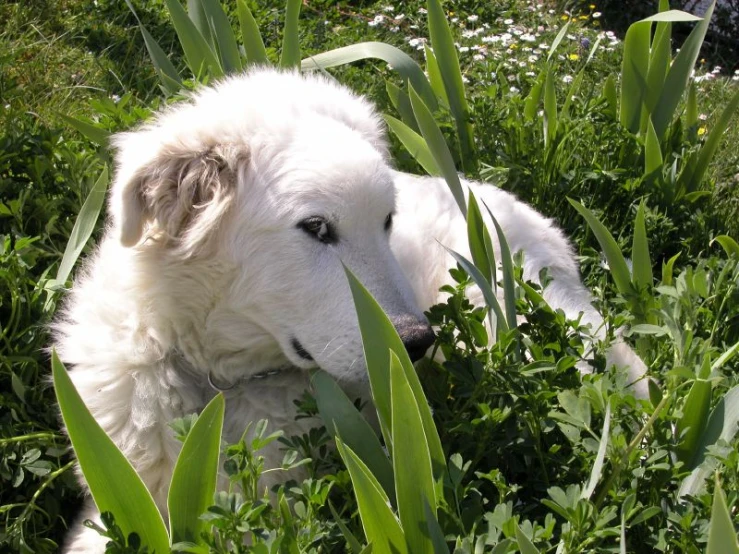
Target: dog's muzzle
416,334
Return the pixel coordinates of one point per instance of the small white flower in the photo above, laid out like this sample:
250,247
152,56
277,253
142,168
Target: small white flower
702,117
533,58
455,20
473,18
596,15
522,64
528,37
611,35
717,69
478,57
514,90
422,10
115,98
511,78
399,17
567,79
388,9
530,74
543,46
508,22
464,49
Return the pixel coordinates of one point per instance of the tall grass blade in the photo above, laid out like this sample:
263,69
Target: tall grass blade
351,540
659,64
691,113
196,13
195,474
531,104
611,96
676,82
600,457
557,40
341,417
634,70
402,104
114,484
84,225
437,535
254,48
200,58
615,258
438,147
164,68
476,231
524,543
690,427
380,526
729,245
550,109
641,262
95,134
694,174
509,279
401,62
414,143
446,55
652,152
412,462
223,35
721,534
291,37
435,78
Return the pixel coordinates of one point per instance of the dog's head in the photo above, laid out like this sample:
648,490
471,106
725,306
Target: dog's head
248,200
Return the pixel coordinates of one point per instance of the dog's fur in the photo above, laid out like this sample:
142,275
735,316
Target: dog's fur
206,267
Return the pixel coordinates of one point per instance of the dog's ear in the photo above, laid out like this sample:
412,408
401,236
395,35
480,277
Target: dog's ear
178,195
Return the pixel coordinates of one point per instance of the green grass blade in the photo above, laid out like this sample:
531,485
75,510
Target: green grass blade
435,78
667,270
114,484
412,462
693,179
435,532
438,147
611,96
615,258
341,417
729,245
634,70
600,457
557,40
414,143
84,225
195,475
446,55
550,109
691,114
652,152
641,262
659,64
721,534
199,56
509,279
487,292
575,88
476,231
223,34
396,58
254,48
695,416
291,37
531,104
196,13
676,82
524,543
164,68
380,526
95,134
402,104
351,540
672,16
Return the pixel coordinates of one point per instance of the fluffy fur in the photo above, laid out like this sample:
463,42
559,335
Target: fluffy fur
206,266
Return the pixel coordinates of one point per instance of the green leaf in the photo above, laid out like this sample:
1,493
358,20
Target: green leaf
690,427
164,68
615,258
380,526
438,147
524,543
652,152
611,96
445,51
667,269
223,35
729,245
634,70
114,484
401,102
600,457
674,16
95,134
341,417
435,78
351,540
557,40
435,532
84,225
721,534
678,76
256,53
531,104
196,13
550,109
694,173
691,113
659,64
641,263
414,483
200,58
195,475
509,280
414,143
401,62
291,37
476,231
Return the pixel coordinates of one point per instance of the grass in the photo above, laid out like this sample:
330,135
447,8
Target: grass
520,445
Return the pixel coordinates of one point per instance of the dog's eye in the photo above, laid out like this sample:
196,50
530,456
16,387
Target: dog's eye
319,228
389,222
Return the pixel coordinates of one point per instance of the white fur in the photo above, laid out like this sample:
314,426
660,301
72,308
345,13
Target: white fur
203,268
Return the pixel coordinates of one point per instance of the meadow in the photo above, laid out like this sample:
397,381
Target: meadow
626,139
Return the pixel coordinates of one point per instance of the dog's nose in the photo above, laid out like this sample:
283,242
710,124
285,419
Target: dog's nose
417,336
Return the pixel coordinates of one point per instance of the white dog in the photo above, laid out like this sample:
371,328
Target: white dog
230,217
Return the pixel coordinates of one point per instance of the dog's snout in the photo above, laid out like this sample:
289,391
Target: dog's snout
416,334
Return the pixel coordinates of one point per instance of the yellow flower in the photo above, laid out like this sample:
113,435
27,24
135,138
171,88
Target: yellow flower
574,57
592,6
565,17
701,131
584,17
513,46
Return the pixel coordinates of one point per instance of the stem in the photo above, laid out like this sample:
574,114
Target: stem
30,437
32,503
629,449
